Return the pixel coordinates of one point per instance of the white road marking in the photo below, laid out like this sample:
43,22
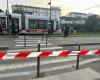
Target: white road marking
84,74
68,66
7,75
29,64
30,39
35,49
32,45
31,42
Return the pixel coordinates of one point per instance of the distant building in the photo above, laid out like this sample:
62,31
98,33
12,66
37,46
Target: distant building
73,18
37,17
77,18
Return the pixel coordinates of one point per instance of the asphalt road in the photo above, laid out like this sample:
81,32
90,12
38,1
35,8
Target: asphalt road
25,69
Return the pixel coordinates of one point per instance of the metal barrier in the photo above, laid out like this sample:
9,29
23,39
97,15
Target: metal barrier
79,48
51,53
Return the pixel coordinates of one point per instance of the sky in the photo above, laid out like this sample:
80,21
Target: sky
65,5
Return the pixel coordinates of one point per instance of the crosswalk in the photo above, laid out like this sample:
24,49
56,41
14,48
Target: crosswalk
26,70
9,71
31,41
35,49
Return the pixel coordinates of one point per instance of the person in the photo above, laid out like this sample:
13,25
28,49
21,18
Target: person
0,29
66,31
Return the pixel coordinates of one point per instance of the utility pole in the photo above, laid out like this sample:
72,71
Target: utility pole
50,22
7,14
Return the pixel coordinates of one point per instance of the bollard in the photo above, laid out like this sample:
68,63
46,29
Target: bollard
46,40
77,63
24,40
38,62
42,36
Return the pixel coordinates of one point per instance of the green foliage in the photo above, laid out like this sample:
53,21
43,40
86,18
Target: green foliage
1,10
92,24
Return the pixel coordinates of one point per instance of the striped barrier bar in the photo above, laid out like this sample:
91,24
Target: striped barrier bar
47,54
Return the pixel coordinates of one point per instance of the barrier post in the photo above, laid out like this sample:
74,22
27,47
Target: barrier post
42,35
38,62
46,40
77,63
24,40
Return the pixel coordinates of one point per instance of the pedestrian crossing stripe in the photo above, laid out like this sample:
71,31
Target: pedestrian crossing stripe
33,45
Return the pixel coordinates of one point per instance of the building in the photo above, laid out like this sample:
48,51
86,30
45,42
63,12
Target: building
77,18
37,17
73,18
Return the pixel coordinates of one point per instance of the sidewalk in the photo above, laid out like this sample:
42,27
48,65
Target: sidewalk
83,74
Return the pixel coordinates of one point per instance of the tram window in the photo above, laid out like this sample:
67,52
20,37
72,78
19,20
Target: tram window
33,24
3,22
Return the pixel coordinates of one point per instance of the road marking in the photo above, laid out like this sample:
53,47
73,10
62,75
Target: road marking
31,42
25,65
33,45
30,38
29,64
68,66
35,49
83,73
15,74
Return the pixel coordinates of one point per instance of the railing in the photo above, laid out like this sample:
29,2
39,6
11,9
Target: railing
79,48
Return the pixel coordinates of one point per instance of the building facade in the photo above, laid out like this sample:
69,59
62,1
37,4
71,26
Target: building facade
75,19
37,17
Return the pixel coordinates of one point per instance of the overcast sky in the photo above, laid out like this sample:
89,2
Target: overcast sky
65,5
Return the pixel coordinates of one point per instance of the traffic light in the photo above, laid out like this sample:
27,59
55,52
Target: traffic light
7,13
9,16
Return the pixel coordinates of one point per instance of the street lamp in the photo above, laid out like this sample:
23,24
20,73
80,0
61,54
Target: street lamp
50,23
7,14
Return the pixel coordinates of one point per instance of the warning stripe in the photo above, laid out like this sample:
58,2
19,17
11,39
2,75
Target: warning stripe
22,55
65,53
83,52
97,52
2,55
45,54
27,54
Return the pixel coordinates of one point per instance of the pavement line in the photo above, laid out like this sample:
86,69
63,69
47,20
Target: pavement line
31,42
15,74
68,66
30,64
30,38
35,49
7,75
33,45
27,40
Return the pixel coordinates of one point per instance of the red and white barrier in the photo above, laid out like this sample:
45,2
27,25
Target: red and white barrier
47,54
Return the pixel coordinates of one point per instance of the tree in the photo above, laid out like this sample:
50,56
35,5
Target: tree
1,10
91,23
